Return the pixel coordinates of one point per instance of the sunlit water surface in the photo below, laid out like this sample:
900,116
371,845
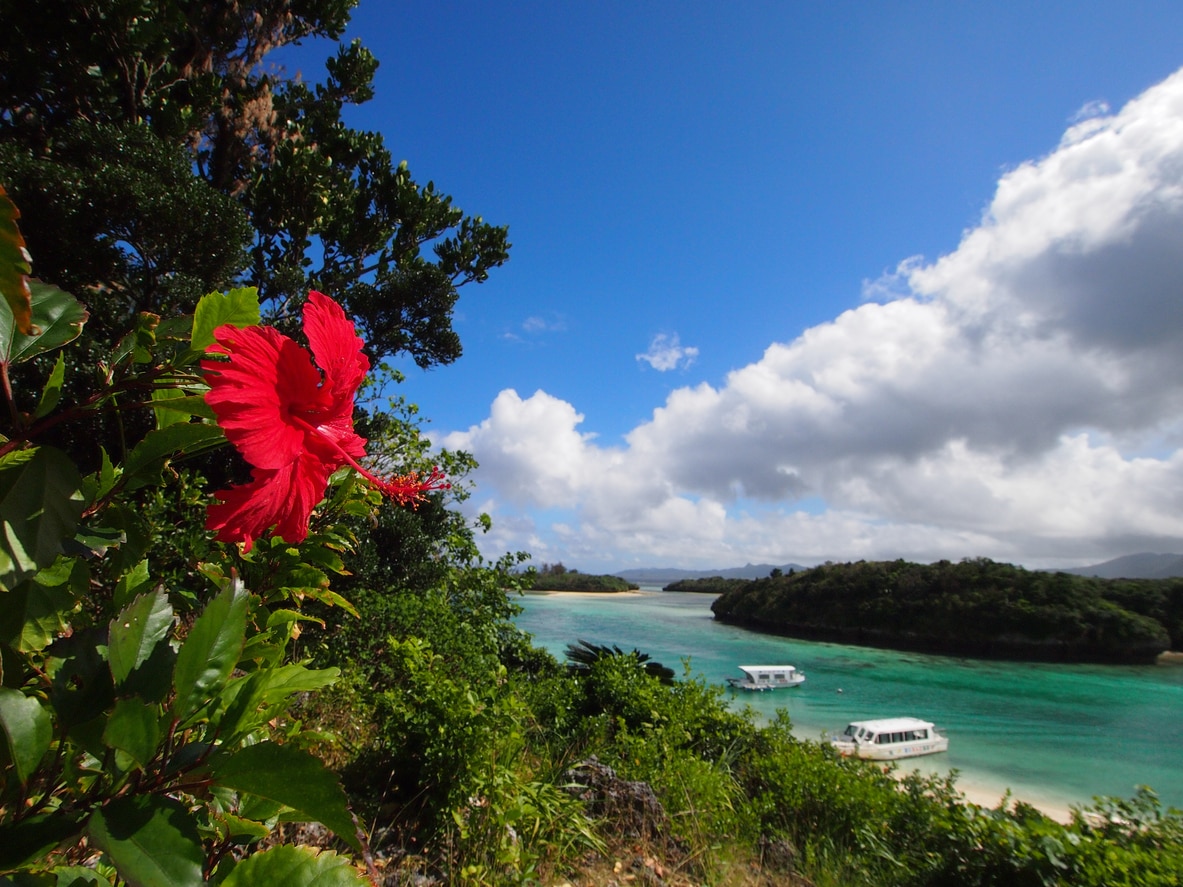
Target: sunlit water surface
1055,734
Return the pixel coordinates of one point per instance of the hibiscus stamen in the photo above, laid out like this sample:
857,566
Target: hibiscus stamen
405,489
408,489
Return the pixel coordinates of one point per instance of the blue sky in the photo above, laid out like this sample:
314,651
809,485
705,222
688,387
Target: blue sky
798,281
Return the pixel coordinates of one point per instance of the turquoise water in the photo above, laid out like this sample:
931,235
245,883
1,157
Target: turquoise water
1053,734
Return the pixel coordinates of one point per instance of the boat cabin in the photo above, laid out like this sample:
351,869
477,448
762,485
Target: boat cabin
767,677
890,738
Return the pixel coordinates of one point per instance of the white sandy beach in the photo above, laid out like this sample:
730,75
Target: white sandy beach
985,797
985,794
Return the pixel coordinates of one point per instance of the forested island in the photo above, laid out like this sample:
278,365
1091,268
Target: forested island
974,608
556,577
707,585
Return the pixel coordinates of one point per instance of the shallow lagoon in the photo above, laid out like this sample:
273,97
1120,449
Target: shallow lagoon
1055,735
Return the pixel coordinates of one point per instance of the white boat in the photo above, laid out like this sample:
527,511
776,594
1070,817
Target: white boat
889,739
766,677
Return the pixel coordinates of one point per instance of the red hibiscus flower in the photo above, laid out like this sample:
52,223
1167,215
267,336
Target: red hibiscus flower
292,420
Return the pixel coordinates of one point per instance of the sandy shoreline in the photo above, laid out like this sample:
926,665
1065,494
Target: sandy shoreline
989,796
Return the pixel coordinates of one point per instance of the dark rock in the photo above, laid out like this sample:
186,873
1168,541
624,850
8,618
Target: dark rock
632,807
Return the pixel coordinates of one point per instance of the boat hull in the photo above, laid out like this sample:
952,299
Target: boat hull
892,751
741,684
767,677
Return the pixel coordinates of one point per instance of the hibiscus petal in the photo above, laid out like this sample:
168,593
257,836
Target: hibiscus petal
338,351
254,393
281,498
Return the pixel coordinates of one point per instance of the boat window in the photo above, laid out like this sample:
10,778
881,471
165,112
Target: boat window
850,731
922,734
897,737
762,677
881,738
909,736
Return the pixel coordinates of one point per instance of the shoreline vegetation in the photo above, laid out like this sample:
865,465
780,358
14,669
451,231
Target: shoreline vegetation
982,792
977,608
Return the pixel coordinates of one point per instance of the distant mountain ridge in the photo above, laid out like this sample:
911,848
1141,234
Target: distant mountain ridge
665,575
1134,566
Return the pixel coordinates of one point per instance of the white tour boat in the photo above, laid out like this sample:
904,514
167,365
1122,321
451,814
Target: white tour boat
889,739
766,677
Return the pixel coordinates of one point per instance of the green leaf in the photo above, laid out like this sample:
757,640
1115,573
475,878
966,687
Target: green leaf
123,529
78,876
290,617
305,576
40,503
82,688
239,307
134,727
33,615
265,688
324,557
14,266
136,632
328,597
52,392
139,341
291,866
232,826
144,463
211,650
152,841
294,778
27,731
68,571
132,584
104,479
60,876
23,843
173,405
57,320
94,541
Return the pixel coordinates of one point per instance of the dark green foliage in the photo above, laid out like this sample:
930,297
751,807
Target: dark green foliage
424,667
710,584
164,146
573,581
401,548
116,214
1159,599
583,655
974,608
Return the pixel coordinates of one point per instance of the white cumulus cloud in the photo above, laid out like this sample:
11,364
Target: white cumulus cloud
1019,398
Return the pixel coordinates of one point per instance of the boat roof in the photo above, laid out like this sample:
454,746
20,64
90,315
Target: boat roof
751,668
891,725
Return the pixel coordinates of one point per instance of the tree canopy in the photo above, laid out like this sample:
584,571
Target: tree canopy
156,158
